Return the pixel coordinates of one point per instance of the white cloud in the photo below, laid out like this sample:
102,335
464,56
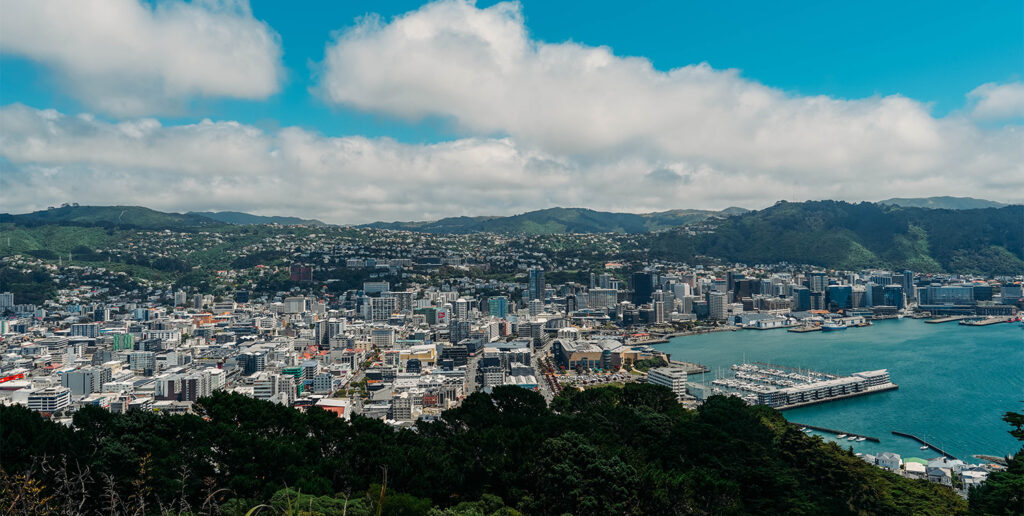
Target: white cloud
126,57
481,68
47,157
998,101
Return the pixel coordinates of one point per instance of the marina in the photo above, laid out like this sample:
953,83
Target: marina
784,388
965,419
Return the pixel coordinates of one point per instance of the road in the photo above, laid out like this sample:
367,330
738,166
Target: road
538,368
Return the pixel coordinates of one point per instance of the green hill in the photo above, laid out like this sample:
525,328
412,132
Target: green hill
849,236
615,451
111,216
943,203
562,220
239,218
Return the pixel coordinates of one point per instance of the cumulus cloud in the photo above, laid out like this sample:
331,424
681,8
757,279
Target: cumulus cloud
48,157
480,68
998,101
130,58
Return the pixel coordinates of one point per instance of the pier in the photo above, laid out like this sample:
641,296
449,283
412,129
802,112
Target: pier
870,390
804,329
985,321
946,319
837,432
691,368
922,441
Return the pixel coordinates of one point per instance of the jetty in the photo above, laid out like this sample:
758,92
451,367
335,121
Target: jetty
926,443
837,432
691,368
804,329
951,318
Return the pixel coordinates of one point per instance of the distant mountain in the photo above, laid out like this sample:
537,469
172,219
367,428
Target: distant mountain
943,203
111,216
852,236
561,220
244,219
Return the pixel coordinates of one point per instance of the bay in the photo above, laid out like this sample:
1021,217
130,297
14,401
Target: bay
955,382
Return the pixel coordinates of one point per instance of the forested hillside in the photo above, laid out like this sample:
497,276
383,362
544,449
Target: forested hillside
850,236
562,220
611,451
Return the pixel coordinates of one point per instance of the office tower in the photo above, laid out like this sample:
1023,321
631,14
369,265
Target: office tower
497,306
462,309
643,287
535,287
817,281
570,304
716,305
908,283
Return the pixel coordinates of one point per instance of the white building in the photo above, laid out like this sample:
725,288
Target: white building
672,377
50,399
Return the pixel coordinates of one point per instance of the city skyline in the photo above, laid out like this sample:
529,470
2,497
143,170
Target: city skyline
347,116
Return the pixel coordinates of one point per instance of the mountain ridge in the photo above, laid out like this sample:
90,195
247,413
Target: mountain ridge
241,218
561,220
944,202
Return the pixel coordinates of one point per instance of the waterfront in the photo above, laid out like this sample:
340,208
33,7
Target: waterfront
955,381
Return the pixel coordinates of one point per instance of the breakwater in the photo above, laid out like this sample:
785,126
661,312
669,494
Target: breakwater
926,443
837,432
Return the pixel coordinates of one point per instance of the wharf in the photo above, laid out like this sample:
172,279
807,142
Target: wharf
926,443
804,329
871,390
946,319
837,432
986,321
691,368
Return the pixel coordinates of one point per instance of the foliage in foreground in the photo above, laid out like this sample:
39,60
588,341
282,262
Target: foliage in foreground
603,451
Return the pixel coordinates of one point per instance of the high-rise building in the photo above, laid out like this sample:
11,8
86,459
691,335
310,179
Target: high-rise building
840,297
643,287
497,306
602,298
893,295
570,304
6,300
536,307
908,283
730,282
462,309
716,305
817,281
535,285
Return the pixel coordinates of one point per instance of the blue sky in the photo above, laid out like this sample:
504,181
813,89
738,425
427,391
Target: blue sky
932,55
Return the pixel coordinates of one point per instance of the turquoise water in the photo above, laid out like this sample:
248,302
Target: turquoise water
955,381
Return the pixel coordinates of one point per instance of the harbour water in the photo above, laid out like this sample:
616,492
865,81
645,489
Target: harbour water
956,382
